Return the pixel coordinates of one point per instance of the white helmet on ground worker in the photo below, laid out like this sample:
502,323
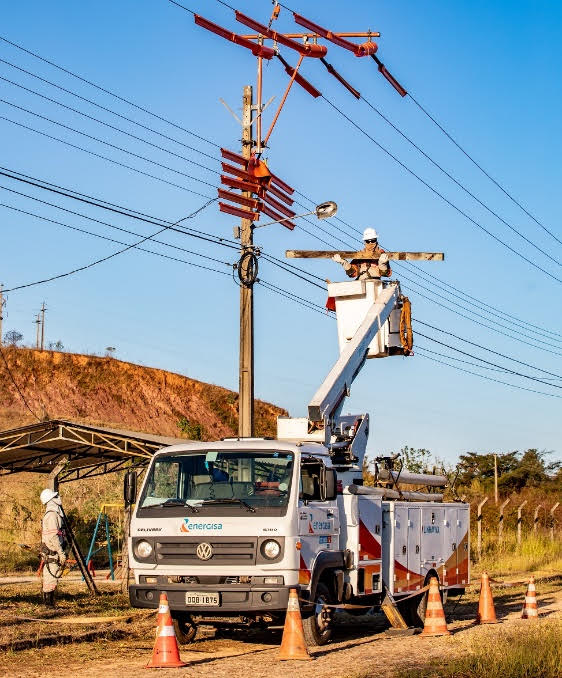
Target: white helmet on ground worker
46,495
369,234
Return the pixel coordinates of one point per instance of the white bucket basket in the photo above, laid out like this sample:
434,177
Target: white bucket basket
353,301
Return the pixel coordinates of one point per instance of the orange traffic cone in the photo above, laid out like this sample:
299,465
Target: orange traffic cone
166,654
486,611
530,610
293,644
435,622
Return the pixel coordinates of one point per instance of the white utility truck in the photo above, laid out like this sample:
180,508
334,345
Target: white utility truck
227,528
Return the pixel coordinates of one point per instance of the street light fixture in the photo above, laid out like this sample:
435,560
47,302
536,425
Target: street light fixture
324,210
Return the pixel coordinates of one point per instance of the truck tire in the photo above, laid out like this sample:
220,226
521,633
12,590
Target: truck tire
317,625
185,629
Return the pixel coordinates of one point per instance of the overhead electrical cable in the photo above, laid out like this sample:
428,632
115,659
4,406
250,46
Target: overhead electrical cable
485,348
172,227
483,376
107,143
487,174
478,322
458,183
106,124
103,157
437,193
107,91
109,110
111,256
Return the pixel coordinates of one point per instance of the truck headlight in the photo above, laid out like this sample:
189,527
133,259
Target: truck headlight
271,549
144,549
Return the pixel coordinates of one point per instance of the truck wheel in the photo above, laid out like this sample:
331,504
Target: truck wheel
317,625
185,629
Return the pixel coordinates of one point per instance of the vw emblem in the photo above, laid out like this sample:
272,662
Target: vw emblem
204,551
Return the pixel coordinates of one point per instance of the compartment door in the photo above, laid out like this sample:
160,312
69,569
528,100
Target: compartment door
400,529
415,576
432,539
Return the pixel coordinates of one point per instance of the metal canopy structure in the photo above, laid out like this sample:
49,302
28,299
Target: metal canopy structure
87,450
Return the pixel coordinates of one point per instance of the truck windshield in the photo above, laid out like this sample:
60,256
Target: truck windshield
256,478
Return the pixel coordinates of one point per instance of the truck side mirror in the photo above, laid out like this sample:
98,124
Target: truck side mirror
331,491
129,488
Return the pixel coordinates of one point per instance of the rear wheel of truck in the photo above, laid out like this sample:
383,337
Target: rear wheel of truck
317,625
185,628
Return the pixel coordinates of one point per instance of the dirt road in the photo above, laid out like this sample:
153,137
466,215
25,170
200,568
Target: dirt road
358,649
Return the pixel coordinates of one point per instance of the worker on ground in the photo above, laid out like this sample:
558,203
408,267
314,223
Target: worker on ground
369,264
53,544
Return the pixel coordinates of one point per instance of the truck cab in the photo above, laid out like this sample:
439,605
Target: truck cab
227,528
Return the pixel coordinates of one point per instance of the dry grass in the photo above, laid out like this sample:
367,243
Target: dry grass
530,651
537,553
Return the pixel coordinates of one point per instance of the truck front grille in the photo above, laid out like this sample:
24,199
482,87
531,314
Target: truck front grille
226,551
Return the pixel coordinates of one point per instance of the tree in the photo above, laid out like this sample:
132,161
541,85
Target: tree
194,431
530,471
110,350
13,337
474,466
415,460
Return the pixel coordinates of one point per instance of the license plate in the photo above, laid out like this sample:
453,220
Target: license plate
200,598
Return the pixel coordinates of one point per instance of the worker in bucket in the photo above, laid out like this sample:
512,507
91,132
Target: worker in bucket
53,544
371,263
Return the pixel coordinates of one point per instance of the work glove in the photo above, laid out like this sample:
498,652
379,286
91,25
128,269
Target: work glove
383,259
338,259
62,559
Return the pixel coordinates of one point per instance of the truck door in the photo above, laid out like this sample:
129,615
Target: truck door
319,522
415,576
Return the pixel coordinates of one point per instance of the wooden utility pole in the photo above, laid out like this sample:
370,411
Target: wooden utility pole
519,521
43,309
37,321
246,375
479,519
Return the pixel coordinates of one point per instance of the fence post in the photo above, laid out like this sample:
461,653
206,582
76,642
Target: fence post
500,523
479,519
519,519
552,520
536,518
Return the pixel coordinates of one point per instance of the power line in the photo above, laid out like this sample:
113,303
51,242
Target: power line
293,297
490,177
106,124
104,157
111,207
111,256
483,376
478,322
107,143
437,193
109,110
485,348
457,182
107,91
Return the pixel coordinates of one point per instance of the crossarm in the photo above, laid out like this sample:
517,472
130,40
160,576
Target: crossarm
328,400
394,256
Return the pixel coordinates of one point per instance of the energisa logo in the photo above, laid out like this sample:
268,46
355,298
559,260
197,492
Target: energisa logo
189,527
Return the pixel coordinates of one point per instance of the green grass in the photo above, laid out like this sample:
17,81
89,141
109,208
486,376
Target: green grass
530,651
536,553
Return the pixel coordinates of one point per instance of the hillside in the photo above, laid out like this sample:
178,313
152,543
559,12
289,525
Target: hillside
110,392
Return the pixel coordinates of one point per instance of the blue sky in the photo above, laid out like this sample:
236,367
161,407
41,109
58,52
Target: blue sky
488,71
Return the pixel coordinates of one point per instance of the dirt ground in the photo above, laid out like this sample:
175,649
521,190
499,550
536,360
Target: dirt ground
121,645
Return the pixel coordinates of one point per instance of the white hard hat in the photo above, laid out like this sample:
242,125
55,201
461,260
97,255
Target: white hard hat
46,495
370,234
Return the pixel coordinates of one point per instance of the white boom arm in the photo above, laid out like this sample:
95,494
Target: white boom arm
328,400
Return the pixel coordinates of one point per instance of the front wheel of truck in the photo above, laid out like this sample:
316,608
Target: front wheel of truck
317,625
185,628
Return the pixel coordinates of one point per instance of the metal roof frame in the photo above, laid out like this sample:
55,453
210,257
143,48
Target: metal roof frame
88,450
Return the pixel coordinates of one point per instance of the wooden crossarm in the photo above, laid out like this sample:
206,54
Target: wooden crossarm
394,256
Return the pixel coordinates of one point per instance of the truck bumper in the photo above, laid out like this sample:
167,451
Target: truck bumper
250,599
